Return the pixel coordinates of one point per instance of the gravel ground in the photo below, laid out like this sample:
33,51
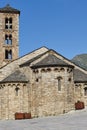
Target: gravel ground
70,121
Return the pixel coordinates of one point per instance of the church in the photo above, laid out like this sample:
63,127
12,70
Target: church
42,82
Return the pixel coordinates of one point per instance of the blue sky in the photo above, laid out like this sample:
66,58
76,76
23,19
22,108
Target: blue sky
57,24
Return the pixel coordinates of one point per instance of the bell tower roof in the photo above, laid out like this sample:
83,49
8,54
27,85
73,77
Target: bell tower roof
9,9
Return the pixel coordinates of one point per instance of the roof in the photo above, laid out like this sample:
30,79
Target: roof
27,63
50,60
81,61
79,76
17,76
9,9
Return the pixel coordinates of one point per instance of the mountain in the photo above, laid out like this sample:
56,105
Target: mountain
80,60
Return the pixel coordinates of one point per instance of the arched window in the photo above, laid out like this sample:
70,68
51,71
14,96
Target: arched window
8,39
8,54
85,91
17,90
8,23
10,20
59,83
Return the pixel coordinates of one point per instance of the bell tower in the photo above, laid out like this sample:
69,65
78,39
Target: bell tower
9,34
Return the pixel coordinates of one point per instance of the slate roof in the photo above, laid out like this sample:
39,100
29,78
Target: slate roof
50,60
9,9
27,63
79,76
17,76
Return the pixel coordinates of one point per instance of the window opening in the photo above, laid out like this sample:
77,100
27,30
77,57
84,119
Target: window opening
8,54
85,91
16,90
8,23
10,20
59,83
8,39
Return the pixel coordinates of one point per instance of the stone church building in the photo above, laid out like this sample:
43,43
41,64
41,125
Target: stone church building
42,82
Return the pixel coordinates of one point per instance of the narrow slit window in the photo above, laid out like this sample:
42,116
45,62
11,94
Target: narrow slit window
6,54
17,90
59,83
10,54
6,39
10,39
85,91
10,20
6,22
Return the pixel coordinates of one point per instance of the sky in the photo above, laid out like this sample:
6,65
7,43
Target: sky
60,25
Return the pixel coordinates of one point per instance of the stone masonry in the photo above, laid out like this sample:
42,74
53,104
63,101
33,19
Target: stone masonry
9,32
42,82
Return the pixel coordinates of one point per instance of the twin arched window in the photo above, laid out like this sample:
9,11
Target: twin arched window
8,54
8,39
8,23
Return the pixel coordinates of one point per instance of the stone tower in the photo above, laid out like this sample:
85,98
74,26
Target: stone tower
9,34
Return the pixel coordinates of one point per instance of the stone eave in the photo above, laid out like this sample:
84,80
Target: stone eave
80,81
2,82
12,12
55,65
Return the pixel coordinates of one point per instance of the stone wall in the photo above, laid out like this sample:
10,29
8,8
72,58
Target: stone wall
80,92
10,68
14,97
15,37
40,96
46,100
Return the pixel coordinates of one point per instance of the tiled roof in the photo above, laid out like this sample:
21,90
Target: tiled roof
50,60
79,76
17,76
9,9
